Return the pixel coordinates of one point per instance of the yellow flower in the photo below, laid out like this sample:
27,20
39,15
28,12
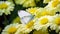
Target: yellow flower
53,5
12,28
29,27
56,19
55,23
6,7
22,29
43,12
29,3
43,23
26,3
32,10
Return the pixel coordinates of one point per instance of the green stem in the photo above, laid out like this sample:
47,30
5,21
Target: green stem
5,20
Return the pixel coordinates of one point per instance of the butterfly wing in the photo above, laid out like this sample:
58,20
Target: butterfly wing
23,13
25,16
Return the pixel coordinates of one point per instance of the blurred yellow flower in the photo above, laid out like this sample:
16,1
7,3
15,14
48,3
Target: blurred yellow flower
22,29
53,5
43,12
6,7
43,23
26,3
55,23
29,3
32,10
12,28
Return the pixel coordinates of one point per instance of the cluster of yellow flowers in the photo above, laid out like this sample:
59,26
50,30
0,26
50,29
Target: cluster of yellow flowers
26,3
44,18
40,25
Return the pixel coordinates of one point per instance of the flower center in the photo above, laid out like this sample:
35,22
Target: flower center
55,3
12,30
3,6
32,10
57,21
43,21
29,24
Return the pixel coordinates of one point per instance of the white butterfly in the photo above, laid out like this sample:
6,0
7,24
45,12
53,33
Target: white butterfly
25,16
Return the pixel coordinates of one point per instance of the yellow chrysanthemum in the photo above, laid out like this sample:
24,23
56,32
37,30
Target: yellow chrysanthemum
43,12
56,23
22,29
29,26
26,3
11,29
43,23
40,32
50,12
25,28
29,3
6,7
32,10
53,5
